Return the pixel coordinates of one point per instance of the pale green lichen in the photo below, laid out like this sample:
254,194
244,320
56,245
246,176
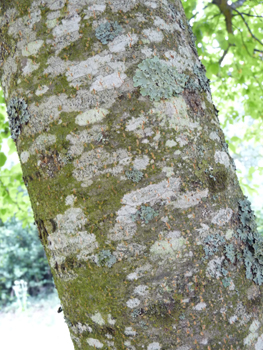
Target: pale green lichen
158,80
144,214
105,258
134,175
108,31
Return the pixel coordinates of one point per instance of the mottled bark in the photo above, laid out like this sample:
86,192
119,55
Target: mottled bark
150,240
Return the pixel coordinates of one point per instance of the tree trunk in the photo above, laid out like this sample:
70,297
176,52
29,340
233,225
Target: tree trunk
150,240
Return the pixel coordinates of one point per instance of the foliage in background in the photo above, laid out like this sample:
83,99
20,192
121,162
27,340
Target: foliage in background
22,257
14,199
229,40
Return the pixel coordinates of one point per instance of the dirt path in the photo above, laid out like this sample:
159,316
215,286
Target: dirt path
39,327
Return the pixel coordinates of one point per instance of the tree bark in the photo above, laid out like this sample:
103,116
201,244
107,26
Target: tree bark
150,240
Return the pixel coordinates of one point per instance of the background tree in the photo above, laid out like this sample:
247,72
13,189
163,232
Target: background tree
129,176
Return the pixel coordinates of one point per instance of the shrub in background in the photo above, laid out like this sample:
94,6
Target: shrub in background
22,257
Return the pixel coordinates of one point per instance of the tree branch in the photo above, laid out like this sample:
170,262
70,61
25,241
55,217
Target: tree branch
248,14
198,12
253,36
227,12
224,55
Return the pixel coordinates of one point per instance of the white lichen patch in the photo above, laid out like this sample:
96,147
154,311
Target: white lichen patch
170,143
250,339
259,343
69,237
171,246
80,328
189,199
90,67
30,67
41,142
180,62
70,24
214,267
137,126
120,42
24,156
132,303
91,116
97,318
130,332
243,316
160,23
51,23
153,35
70,200
141,290
108,82
95,343
199,306
169,171
222,158
55,4
126,251
56,66
111,320
45,113
154,346
132,276
214,136
151,4
119,232
42,90
83,137
203,232
32,48
222,216
141,163
93,163
182,140
229,234
9,67
139,272
233,319
151,194
172,113
97,9
147,52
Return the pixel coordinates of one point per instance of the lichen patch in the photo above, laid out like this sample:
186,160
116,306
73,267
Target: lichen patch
222,158
172,113
32,48
119,44
108,82
222,216
172,245
91,116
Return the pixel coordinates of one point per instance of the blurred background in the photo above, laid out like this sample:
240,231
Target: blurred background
233,60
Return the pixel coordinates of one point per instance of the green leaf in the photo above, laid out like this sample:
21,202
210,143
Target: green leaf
235,138
232,147
3,158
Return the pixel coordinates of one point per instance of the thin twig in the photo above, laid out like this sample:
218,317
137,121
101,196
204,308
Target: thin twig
198,12
224,55
248,27
248,14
